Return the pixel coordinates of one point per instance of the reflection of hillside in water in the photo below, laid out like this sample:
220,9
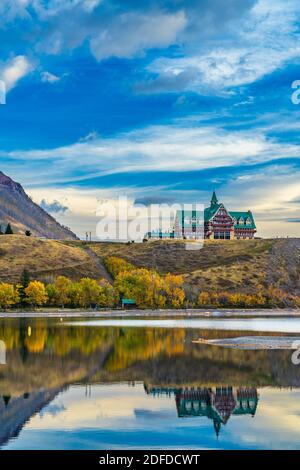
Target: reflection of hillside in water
46,354
217,404
44,357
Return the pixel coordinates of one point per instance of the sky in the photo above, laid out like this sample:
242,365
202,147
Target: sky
74,420
159,100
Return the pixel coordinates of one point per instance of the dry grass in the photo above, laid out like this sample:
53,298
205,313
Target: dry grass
44,259
233,266
220,265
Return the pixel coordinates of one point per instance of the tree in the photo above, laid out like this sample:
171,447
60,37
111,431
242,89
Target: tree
51,292
143,286
108,296
204,299
9,230
89,292
36,294
9,295
62,288
24,281
116,265
27,233
173,286
75,294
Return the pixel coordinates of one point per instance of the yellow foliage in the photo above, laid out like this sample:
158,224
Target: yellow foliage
9,295
204,299
116,265
62,290
36,293
89,292
108,296
174,291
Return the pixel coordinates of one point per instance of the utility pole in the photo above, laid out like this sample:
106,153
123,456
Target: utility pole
88,236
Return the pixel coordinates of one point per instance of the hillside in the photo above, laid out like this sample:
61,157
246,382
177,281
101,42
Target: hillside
23,214
44,259
231,265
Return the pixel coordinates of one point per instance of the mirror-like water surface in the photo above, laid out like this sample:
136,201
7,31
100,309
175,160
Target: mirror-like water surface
104,385
284,325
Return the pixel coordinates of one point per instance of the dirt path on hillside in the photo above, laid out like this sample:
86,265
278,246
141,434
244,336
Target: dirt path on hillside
100,265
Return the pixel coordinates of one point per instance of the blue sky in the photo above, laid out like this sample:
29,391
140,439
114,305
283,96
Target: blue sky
160,100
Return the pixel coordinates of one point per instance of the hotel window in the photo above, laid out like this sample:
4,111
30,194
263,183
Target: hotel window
222,235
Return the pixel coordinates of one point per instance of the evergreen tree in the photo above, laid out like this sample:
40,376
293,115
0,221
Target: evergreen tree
28,233
24,282
9,230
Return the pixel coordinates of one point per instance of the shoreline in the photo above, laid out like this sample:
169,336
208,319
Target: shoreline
163,313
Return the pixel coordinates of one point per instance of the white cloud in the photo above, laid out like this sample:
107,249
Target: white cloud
131,32
10,10
183,146
121,31
261,43
49,77
14,70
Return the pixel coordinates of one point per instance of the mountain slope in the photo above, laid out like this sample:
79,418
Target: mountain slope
45,259
23,214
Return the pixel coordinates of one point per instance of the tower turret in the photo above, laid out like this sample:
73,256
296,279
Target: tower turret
214,199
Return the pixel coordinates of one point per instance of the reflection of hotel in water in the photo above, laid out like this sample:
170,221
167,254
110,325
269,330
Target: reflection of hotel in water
216,404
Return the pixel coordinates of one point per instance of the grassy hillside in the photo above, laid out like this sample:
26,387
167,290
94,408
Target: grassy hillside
232,266
44,259
235,265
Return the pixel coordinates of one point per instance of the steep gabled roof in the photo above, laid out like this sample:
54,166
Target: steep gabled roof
209,212
244,216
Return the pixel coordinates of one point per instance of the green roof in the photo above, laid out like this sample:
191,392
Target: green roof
214,199
244,216
209,212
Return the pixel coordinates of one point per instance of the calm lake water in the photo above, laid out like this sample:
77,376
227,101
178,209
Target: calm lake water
104,384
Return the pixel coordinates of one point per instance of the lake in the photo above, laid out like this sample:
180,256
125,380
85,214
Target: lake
135,383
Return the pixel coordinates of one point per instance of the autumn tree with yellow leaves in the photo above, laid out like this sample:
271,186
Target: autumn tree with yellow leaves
174,291
149,289
115,266
62,288
36,294
108,296
9,295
